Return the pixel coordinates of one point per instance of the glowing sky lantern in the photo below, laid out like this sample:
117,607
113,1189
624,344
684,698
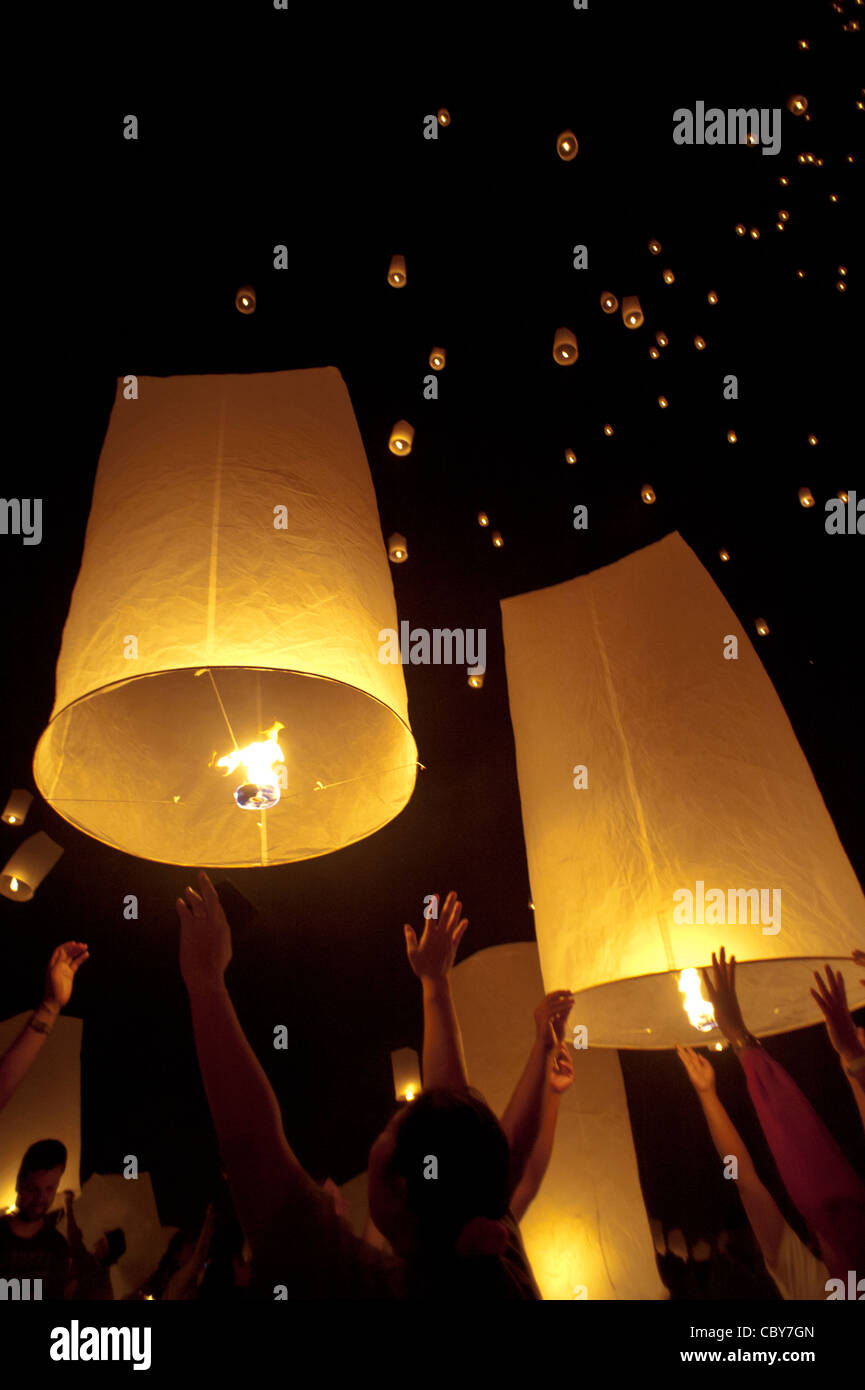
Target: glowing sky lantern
696,822
233,587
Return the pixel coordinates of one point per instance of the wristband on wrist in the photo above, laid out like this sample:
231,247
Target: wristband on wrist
856,1067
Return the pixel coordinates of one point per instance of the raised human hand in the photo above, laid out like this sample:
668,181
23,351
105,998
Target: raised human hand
551,1015
700,1071
721,993
432,958
560,1073
205,937
60,973
831,996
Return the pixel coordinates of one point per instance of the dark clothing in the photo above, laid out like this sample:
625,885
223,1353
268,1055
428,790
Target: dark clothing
44,1256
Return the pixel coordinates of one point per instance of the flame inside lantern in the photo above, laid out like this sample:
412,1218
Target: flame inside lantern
261,789
698,1010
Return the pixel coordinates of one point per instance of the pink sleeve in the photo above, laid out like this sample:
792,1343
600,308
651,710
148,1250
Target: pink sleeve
820,1181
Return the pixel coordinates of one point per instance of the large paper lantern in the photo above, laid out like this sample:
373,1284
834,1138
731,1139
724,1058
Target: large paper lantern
667,806
232,590
587,1231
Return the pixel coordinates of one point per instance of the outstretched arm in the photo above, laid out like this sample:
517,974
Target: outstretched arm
560,1075
444,1063
762,1210
20,1056
847,1040
262,1169
523,1117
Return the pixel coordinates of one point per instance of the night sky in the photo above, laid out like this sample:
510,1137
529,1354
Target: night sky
129,257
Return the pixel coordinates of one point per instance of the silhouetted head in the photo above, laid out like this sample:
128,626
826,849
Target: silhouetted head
39,1177
442,1160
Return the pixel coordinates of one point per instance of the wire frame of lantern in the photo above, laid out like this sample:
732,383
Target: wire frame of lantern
565,350
406,1073
632,314
245,300
401,437
396,274
397,549
15,811
567,146
24,871
609,302
437,358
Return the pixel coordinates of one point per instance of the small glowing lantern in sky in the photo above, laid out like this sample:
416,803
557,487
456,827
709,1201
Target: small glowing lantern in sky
245,300
806,497
33,859
17,807
570,456
401,437
476,681
661,339
565,347
497,540
706,826
655,248
483,519
567,146
437,358
724,554
397,549
699,343
740,229
797,104
731,436
396,275
712,297
663,402
648,493
762,626
609,302
608,431
632,314
406,1073
812,439
248,594
444,116
669,277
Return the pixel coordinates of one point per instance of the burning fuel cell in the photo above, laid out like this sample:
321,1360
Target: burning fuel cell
261,789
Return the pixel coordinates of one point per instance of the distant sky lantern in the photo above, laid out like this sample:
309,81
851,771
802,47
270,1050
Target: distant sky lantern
632,314
655,248
570,456
806,497
245,300
663,402
784,181
444,116
706,826
661,339
712,297
476,681
669,277
842,495
565,347
397,549
608,431
699,343
244,606
437,358
762,626
783,215
32,860
842,270
648,493
609,302
567,146
797,104
731,436
840,285
483,519
755,233
17,807
724,554
401,437
497,540
654,353
396,274
406,1073
740,229
812,439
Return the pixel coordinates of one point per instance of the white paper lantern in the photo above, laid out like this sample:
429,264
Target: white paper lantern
406,1073
587,1228
17,806
694,784
233,581
33,859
